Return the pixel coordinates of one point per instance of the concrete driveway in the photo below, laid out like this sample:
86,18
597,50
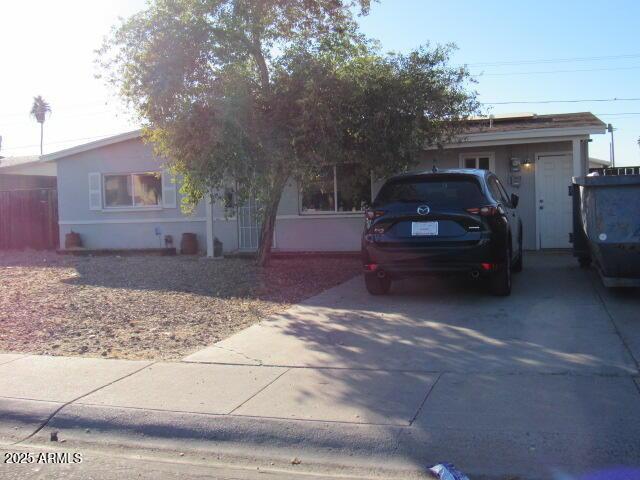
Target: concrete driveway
542,382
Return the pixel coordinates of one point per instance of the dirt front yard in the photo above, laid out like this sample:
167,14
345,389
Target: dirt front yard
146,307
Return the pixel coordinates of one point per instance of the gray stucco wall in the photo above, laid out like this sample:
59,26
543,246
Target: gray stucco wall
341,232
122,228
295,231
134,235
320,233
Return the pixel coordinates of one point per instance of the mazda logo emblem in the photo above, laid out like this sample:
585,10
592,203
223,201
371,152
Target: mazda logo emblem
423,210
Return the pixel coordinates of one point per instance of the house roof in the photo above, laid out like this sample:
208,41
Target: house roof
531,121
526,128
502,128
6,162
122,137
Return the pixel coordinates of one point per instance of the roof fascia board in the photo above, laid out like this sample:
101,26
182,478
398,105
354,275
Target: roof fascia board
540,132
123,137
522,136
517,141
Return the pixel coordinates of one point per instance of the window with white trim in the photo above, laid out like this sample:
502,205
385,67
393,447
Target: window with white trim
480,161
131,190
338,188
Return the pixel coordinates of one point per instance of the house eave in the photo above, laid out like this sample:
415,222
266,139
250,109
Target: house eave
522,136
123,137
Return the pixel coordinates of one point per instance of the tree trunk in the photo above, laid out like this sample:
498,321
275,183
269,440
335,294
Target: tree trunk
269,222
41,135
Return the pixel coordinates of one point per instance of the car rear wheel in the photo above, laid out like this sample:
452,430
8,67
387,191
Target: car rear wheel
500,282
376,285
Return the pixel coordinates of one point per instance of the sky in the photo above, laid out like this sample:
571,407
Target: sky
524,51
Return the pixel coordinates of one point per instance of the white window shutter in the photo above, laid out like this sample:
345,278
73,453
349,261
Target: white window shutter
95,191
169,196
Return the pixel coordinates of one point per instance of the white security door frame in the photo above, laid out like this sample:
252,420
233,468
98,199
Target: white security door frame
248,226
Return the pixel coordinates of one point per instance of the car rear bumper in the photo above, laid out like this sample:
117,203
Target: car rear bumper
401,262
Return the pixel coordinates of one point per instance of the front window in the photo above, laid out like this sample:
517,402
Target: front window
341,188
318,194
132,190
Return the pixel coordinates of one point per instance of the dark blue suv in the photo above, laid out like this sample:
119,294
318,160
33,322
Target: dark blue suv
442,222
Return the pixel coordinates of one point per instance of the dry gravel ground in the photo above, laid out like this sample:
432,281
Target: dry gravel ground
146,307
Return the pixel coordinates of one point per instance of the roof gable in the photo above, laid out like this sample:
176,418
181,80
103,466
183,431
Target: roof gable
122,137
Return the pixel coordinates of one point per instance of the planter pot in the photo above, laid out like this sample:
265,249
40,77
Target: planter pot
189,244
72,240
217,247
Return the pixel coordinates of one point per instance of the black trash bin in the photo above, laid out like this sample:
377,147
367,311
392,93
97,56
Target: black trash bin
606,224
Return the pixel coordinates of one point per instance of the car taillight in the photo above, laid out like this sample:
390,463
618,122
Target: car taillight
373,214
486,211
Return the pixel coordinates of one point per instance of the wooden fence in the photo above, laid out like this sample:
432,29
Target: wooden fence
29,219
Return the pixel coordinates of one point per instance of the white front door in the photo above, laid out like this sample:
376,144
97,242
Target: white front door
553,177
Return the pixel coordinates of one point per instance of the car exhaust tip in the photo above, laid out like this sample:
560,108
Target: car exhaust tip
475,274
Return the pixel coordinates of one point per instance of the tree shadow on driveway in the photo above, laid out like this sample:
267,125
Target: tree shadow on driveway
533,383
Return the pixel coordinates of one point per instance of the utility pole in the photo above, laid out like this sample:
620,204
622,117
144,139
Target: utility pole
613,150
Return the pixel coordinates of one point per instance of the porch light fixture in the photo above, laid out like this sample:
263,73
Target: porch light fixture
526,162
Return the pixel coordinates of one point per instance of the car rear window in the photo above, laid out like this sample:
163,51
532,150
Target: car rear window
458,191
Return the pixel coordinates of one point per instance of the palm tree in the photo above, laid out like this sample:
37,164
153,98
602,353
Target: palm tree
39,111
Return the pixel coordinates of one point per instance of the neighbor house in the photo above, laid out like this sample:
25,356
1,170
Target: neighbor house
28,204
598,163
26,172
115,193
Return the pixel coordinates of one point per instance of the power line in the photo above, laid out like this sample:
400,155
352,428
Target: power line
615,99
635,67
57,107
4,123
515,102
552,60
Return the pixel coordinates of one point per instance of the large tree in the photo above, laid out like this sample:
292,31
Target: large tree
264,91
39,110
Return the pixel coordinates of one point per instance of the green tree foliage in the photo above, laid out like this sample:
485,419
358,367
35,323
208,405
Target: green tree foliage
265,91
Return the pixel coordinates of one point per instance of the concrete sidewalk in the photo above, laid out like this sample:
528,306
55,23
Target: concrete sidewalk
544,381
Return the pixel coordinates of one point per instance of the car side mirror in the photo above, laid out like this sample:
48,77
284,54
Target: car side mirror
514,200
